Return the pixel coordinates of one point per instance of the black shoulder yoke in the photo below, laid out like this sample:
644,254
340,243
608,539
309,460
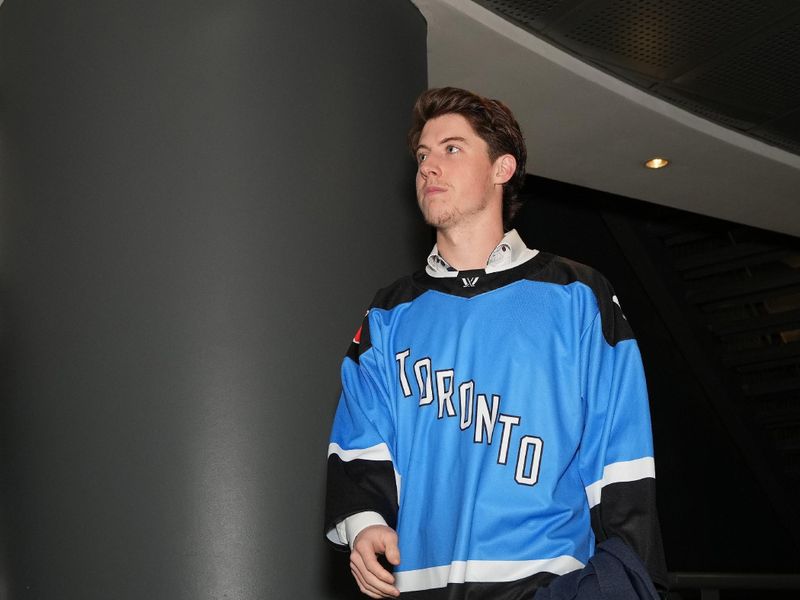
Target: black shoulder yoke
565,271
544,267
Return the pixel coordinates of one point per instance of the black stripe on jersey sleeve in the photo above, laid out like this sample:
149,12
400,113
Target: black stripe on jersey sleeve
496,590
360,485
628,510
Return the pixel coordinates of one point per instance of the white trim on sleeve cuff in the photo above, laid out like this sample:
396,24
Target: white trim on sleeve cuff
349,529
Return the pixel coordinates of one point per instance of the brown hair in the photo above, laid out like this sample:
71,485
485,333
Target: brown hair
492,121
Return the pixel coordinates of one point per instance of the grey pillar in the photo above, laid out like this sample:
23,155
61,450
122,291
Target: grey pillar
198,201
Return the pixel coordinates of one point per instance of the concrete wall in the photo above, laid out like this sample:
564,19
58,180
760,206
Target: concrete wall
198,200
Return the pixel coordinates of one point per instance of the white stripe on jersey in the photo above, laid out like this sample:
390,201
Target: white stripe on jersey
377,452
482,571
631,470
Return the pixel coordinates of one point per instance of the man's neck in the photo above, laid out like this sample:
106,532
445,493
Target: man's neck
468,248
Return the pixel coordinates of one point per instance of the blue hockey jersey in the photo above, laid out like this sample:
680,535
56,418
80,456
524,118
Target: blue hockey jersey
500,423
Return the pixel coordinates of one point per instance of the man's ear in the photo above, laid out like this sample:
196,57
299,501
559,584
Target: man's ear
504,168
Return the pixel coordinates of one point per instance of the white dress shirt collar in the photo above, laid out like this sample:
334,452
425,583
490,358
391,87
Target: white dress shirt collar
510,252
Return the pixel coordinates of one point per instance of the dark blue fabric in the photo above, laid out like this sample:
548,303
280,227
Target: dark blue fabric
615,572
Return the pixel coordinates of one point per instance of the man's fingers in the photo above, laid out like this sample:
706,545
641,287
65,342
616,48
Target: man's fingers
372,576
392,553
367,551
362,585
376,568
371,585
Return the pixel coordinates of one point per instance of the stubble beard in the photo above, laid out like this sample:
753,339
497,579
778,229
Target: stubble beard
440,219
448,216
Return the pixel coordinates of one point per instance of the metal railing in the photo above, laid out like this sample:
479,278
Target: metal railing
710,584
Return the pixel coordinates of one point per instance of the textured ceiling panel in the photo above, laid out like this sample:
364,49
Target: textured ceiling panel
735,118
765,73
529,13
663,34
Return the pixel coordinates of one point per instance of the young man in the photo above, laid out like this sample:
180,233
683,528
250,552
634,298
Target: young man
493,423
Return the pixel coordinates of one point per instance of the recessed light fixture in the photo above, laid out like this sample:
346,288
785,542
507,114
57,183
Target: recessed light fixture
656,162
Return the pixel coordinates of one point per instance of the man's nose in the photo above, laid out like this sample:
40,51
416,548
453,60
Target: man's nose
429,167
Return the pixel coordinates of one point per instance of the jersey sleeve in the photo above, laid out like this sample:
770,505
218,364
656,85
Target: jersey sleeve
616,452
361,475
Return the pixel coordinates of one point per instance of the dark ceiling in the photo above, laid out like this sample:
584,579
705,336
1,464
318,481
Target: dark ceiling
734,62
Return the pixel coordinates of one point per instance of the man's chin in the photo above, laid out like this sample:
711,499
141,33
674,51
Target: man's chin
439,219
440,222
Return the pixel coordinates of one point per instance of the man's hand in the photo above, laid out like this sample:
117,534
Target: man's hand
373,580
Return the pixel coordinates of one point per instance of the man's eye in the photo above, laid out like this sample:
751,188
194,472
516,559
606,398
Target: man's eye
453,149
421,157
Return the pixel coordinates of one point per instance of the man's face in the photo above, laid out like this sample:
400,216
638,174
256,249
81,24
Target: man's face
456,181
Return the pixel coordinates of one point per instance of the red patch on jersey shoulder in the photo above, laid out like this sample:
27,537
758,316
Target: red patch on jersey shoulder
357,336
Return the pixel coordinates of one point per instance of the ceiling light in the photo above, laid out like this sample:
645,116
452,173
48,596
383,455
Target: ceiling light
656,163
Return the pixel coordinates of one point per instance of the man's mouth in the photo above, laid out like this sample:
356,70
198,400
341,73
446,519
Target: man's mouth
431,190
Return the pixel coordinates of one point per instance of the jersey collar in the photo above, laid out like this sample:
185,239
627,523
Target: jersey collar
510,252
